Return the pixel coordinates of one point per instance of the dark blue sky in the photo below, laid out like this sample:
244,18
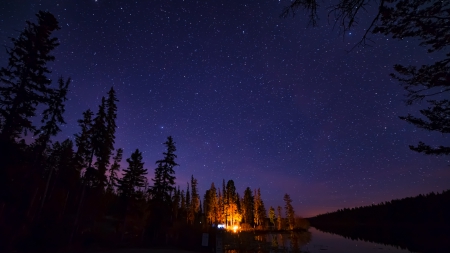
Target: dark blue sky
246,95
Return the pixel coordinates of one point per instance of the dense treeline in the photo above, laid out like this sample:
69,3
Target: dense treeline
55,194
431,209
419,224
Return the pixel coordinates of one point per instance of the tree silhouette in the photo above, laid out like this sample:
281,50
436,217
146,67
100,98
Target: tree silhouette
83,141
425,20
53,115
248,206
25,81
290,214
164,180
194,207
100,143
115,167
134,176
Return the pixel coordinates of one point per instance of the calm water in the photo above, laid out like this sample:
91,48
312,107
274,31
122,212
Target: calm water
321,241
312,241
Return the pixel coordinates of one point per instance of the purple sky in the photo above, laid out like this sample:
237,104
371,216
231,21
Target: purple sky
246,95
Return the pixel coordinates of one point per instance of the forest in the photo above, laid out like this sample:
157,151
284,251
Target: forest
430,210
74,194
418,224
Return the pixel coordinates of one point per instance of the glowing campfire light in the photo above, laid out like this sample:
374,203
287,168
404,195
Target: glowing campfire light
235,228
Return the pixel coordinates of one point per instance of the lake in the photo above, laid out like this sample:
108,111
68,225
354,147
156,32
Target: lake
321,241
312,241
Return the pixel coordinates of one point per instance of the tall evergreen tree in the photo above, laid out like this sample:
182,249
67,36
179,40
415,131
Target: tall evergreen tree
290,214
262,214
134,176
53,115
83,141
188,204
279,219
25,84
195,197
100,143
176,203
164,180
211,205
272,215
194,208
230,203
248,206
257,208
115,167
111,116
183,204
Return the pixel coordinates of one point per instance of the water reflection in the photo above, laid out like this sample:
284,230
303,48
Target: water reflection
313,241
266,242
413,238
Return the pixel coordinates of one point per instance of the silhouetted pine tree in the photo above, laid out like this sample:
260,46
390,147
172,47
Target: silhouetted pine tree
104,134
164,180
115,167
134,176
188,203
53,115
100,144
111,116
194,208
183,205
83,141
248,207
176,203
25,84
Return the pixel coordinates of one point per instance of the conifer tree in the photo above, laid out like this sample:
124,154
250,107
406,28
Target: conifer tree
262,214
188,198
100,143
115,167
211,206
194,208
279,218
83,141
248,206
25,84
183,203
290,214
176,202
272,215
164,180
257,207
53,115
111,116
134,176
230,202
188,204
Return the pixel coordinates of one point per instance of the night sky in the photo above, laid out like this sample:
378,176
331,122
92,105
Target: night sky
268,102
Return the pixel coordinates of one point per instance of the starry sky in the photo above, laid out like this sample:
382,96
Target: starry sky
268,102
